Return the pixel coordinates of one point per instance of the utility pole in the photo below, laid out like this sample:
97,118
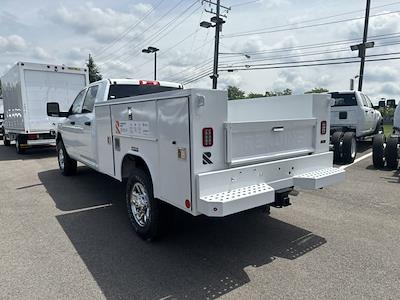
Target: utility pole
218,21
365,37
216,47
362,48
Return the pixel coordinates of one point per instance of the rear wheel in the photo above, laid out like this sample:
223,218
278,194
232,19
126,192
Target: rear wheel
143,210
335,140
6,141
391,153
68,166
378,151
349,147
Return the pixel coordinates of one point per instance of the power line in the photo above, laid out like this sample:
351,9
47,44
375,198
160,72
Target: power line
307,64
107,58
130,28
262,31
298,64
302,54
245,3
323,18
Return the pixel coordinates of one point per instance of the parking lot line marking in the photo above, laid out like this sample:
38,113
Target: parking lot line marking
357,160
88,208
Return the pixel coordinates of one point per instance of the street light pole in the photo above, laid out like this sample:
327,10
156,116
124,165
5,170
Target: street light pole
153,50
155,65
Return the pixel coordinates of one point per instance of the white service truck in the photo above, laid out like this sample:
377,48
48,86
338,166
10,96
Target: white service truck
27,87
353,117
197,151
387,150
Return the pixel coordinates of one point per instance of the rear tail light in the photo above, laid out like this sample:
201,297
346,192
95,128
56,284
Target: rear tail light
148,82
33,136
208,137
323,127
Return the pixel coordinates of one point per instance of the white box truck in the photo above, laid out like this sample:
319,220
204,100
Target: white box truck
27,87
195,150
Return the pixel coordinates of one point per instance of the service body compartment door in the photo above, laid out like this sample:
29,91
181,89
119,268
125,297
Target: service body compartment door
250,142
105,153
174,150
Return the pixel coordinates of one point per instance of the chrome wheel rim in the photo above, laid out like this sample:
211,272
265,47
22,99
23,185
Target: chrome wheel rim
61,158
353,148
140,204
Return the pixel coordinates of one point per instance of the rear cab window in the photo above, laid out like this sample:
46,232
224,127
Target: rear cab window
130,90
344,99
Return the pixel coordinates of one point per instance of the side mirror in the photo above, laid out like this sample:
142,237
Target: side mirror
53,109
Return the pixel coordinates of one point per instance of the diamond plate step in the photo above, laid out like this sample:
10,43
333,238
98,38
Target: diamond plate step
235,200
319,178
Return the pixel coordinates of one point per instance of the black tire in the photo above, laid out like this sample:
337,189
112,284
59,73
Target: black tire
349,147
6,141
335,140
67,165
18,141
378,151
150,227
391,153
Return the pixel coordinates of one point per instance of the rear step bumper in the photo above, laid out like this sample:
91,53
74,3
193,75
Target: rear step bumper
226,192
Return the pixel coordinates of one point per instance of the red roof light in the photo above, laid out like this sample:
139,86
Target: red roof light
148,82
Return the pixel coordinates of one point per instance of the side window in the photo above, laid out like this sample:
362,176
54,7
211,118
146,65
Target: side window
364,101
90,99
369,102
77,104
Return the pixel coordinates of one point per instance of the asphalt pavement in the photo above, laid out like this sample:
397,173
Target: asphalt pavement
70,238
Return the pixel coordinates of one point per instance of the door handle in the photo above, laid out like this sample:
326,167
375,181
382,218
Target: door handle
88,123
72,123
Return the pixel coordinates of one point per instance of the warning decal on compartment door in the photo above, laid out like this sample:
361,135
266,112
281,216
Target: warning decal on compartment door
132,128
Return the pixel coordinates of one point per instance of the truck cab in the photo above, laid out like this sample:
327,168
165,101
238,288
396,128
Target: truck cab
78,130
353,118
353,111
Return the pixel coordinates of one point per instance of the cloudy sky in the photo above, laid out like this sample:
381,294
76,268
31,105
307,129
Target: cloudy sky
270,31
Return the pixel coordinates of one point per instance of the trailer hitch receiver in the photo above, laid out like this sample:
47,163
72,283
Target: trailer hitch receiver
281,200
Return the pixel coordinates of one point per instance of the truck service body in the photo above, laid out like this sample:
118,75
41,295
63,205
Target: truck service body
203,154
27,87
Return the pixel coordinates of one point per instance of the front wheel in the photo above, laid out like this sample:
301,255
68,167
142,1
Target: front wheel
143,209
67,165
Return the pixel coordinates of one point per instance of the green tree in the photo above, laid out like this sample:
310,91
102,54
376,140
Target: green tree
285,92
318,90
235,93
255,95
94,72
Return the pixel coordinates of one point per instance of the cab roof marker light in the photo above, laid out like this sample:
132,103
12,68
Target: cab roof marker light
148,82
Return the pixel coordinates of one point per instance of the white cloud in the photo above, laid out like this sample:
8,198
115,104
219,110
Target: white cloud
142,8
40,53
12,43
103,24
